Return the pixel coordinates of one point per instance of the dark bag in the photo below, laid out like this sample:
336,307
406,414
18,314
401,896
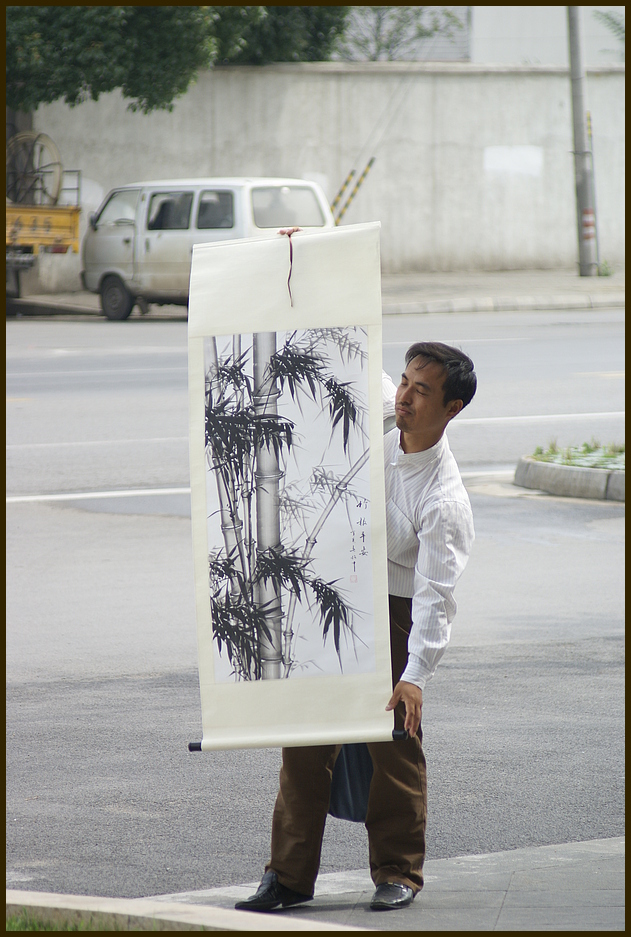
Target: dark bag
350,785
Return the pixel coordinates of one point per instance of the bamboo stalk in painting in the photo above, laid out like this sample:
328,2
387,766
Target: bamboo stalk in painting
231,525
268,477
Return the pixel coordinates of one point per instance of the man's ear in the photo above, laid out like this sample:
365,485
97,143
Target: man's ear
453,408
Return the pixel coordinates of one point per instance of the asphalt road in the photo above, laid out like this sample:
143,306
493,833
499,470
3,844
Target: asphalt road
523,721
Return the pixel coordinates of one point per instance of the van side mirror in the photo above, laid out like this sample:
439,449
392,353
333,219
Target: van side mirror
92,220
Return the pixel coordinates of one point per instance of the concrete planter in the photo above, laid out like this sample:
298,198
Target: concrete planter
570,481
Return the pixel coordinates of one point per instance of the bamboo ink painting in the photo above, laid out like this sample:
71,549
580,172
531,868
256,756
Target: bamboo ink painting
288,512
288,503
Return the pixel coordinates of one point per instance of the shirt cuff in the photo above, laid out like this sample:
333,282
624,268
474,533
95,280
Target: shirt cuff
415,672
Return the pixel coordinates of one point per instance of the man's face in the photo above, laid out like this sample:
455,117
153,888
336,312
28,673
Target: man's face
419,408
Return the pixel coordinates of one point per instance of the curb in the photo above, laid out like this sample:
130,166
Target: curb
572,481
508,304
147,914
541,302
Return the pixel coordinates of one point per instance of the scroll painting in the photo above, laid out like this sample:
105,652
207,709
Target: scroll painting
287,494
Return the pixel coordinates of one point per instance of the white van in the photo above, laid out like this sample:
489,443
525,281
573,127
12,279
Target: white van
139,244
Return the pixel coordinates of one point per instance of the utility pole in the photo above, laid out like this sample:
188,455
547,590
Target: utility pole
583,172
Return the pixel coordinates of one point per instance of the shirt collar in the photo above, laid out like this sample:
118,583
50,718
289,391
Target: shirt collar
417,459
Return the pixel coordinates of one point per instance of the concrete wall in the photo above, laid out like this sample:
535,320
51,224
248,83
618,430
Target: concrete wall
473,170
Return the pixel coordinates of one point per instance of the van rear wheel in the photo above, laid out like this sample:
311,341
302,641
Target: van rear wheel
116,302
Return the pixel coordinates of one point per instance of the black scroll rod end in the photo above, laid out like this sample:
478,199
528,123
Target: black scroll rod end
400,735
194,746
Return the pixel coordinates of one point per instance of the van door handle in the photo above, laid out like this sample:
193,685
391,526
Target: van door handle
126,240
147,245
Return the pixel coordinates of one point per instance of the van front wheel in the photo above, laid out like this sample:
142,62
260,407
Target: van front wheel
116,302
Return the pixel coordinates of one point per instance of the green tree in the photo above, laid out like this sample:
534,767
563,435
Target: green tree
152,54
381,33
614,21
261,35
75,53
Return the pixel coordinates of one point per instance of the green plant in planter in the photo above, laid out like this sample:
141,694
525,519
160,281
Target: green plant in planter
590,455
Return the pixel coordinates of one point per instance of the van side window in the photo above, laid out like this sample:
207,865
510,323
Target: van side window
216,210
120,208
169,211
285,206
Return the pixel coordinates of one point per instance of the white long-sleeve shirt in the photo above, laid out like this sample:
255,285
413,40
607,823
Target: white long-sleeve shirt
430,533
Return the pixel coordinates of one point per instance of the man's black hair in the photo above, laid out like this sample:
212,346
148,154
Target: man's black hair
460,382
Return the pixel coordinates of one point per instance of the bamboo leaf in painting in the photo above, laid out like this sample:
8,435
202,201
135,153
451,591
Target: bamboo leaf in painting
231,373
341,405
333,611
293,366
283,568
269,429
240,626
349,349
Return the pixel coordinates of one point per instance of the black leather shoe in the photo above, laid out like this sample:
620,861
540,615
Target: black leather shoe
271,895
391,895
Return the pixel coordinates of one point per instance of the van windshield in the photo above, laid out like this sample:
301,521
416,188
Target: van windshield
120,207
286,206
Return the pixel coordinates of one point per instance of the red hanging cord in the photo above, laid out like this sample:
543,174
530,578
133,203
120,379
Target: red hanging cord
289,232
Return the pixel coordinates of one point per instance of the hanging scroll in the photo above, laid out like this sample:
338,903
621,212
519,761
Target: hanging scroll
287,493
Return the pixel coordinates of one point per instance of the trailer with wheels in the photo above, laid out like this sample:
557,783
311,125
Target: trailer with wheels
35,220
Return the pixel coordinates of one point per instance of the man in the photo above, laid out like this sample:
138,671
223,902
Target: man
430,532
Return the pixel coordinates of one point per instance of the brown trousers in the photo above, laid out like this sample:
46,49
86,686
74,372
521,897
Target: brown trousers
397,804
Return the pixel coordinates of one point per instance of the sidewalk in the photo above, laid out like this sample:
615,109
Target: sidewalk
501,291
419,293
574,886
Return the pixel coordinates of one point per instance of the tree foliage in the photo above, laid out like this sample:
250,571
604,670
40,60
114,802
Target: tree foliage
76,53
378,33
613,20
152,54
262,35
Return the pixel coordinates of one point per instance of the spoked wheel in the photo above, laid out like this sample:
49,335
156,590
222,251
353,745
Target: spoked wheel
34,169
116,302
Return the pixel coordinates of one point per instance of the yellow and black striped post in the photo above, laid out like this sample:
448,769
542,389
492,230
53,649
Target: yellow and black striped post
354,192
339,195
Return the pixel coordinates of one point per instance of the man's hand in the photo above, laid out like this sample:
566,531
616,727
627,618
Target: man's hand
289,231
412,697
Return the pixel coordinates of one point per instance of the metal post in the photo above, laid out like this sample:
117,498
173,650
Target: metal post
586,217
591,150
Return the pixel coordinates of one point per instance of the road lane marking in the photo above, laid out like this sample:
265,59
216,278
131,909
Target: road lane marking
93,371
156,492
95,442
14,353
460,341
538,418
85,495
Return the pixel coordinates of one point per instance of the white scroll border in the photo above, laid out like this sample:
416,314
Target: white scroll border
270,713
